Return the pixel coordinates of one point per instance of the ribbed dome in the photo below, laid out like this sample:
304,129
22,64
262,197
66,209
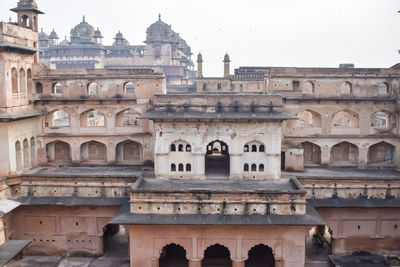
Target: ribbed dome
43,36
53,35
159,31
120,40
83,33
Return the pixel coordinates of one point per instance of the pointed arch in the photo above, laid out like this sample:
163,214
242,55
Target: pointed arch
127,118
381,153
260,255
345,118
58,151
22,81
173,255
344,153
216,254
129,152
14,81
346,88
311,153
308,118
93,152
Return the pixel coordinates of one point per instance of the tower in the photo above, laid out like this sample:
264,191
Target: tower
200,66
227,62
28,12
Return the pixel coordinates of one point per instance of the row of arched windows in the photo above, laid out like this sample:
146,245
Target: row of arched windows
254,148
181,148
253,167
92,88
92,118
25,154
21,81
181,167
346,87
344,118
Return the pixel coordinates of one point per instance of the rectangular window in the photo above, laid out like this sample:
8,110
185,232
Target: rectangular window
296,85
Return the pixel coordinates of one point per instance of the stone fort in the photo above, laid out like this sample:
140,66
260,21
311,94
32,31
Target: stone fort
255,168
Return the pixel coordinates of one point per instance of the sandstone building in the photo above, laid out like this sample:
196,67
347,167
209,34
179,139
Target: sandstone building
234,174
164,51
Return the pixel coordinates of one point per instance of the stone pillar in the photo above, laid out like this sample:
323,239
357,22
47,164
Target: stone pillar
199,166
194,262
325,155
235,166
362,157
238,263
199,66
111,153
154,262
75,152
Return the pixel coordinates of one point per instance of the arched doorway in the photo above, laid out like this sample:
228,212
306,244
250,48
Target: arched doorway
173,255
217,160
260,256
217,256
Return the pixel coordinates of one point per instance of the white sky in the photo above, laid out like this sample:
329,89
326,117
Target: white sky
313,33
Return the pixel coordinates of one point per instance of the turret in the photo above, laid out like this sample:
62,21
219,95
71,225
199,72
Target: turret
53,38
27,14
227,62
200,66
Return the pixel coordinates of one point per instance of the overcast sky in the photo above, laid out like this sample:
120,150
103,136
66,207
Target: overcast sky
314,33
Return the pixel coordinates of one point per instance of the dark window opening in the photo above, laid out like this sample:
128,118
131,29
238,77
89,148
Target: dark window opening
188,167
173,168
253,167
253,148
173,148
180,167
246,167
261,168
262,148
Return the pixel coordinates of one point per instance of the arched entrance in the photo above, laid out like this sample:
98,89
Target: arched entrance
217,256
260,256
173,255
217,160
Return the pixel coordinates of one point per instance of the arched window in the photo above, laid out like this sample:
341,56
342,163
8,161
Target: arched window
33,151
308,88
246,148
39,88
180,167
92,89
14,80
307,119
204,87
22,81
180,148
253,167
29,81
188,167
253,148
127,118
59,118
346,88
379,119
246,167
26,154
173,167
18,156
129,88
345,118
188,148
129,152
57,89
261,168
383,89
95,119
381,154
173,148
25,21
262,148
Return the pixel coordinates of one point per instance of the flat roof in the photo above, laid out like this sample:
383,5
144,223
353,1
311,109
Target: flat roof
125,217
361,202
284,185
10,249
345,173
26,114
91,171
73,201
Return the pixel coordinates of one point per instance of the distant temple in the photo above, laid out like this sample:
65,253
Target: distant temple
164,51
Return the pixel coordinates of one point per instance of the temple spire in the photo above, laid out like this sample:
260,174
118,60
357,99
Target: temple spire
159,16
84,18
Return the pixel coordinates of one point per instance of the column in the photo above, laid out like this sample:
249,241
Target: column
325,155
154,262
362,157
199,166
75,152
111,153
235,166
194,262
238,263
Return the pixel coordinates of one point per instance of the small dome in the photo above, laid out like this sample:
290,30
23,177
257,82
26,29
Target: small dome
53,35
120,40
83,33
64,42
43,36
97,34
226,58
159,31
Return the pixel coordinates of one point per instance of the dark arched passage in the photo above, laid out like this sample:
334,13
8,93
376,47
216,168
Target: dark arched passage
217,256
217,161
173,255
260,256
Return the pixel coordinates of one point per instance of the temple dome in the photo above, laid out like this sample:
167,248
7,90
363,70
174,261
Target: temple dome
159,32
43,36
83,33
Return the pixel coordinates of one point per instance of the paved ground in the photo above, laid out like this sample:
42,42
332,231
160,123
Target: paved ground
36,261
316,257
